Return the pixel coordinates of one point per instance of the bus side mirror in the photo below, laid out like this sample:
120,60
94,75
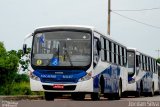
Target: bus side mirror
24,48
99,45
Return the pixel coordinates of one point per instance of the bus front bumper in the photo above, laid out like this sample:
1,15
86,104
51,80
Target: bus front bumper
84,86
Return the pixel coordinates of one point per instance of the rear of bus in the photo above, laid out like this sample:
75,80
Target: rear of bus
133,70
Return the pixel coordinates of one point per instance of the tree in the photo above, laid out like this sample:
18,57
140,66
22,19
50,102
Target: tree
9,76
2,56
8,65
158,60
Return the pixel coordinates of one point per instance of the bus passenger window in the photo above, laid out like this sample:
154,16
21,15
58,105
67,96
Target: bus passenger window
103,49
137,61
110,52
96,53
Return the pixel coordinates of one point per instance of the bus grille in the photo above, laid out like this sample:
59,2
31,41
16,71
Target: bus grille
52,80
68,87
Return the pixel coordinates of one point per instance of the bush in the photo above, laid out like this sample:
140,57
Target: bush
22,88
21,78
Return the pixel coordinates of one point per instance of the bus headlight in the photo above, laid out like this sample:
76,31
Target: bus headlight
86,77
34,77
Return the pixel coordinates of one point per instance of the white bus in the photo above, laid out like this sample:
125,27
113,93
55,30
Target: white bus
77,60
142,73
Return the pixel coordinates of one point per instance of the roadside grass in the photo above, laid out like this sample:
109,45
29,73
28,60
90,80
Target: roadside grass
20,88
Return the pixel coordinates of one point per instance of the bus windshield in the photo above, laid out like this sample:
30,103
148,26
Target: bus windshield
131,59
62,48
131,63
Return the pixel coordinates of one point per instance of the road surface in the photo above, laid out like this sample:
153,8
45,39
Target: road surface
124,102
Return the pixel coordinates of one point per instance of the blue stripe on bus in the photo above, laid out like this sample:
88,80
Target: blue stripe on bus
111,76
146,81
59,76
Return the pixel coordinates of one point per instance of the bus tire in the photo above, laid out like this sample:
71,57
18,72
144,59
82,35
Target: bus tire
49,96
138,92
152,90
95,96
110,96
77,96
119,94
141,88
145,94
73,96
102,85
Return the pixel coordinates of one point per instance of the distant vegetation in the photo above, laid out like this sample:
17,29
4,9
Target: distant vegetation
11,82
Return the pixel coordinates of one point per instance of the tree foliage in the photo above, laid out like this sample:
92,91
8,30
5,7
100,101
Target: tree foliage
158,60
11,82
8,65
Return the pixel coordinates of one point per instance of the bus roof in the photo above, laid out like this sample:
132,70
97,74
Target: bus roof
111,39
78,27
136,50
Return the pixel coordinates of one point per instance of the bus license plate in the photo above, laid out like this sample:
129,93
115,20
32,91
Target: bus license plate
58,86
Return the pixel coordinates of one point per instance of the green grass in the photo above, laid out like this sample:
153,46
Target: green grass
22,88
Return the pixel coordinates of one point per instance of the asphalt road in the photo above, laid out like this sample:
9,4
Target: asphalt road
124,102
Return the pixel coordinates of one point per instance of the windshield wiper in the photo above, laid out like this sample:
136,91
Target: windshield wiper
58,52
66,52
54,54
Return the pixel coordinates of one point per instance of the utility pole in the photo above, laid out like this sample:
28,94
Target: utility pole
158,52
109,17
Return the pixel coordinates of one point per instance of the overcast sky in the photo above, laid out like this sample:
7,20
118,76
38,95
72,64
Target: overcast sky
20,17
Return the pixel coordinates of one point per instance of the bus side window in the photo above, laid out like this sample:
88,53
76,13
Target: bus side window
137,60
141,61
96,53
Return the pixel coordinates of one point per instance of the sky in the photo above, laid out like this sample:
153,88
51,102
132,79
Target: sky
20,17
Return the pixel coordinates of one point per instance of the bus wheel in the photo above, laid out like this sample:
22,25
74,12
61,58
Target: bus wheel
78,96
145,94
137,94
141,89
119,94
49,96
152,90
110,96
95,96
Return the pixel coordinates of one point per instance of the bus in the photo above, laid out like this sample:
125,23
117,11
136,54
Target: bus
142,73
77,60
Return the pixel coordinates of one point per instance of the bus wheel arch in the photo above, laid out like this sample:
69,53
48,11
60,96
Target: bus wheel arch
96,95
